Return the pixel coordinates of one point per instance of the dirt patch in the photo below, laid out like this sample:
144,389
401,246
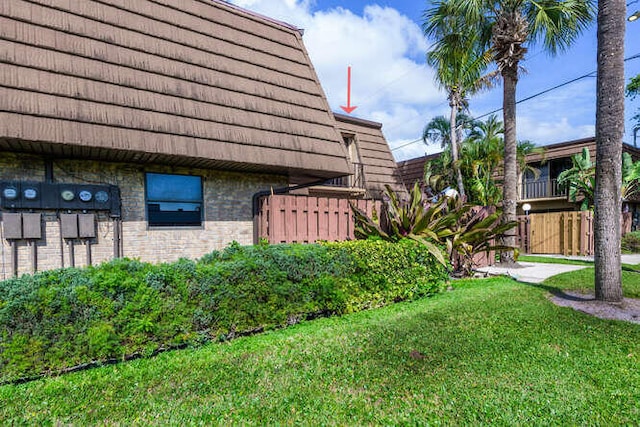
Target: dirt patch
628,310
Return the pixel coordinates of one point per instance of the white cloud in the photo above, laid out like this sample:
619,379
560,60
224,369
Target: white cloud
560,115
386,50
549,132
392,85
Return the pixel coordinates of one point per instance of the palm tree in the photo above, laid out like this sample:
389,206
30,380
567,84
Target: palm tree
508,25
460,60
633,90
579,180
437,131
480,157
609,131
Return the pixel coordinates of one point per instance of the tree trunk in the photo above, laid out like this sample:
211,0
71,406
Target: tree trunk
510,183
609,130
454,148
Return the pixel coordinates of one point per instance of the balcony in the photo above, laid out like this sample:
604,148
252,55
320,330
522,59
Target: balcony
356,180
541,189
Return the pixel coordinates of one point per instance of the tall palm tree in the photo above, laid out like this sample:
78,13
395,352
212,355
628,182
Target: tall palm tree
609,130
509,25
438,130
480,157
460,60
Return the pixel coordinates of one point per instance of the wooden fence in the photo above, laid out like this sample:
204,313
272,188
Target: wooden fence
305,219
567,233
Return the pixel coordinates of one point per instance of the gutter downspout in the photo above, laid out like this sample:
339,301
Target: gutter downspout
255,201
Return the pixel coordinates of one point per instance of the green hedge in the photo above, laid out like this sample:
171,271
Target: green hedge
55,320
631,242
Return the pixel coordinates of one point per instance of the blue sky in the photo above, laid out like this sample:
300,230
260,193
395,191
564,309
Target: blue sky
382,41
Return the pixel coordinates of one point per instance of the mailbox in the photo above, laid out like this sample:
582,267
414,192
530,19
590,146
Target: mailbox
86,226
19,226
31,226
12,226
69,226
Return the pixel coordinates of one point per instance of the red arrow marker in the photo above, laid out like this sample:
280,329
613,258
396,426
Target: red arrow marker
348,109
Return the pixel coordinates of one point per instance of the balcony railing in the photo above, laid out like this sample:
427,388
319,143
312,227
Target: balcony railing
350,181
540,189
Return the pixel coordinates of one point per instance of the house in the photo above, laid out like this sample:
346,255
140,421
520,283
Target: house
539,189
540,193
144,129
412,170
373,165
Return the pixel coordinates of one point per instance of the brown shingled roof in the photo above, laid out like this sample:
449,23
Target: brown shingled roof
201,83
412,170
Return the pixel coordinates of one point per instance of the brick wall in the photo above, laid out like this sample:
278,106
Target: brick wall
227,213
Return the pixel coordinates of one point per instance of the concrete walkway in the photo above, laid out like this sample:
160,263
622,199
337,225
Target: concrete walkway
530,272
536,272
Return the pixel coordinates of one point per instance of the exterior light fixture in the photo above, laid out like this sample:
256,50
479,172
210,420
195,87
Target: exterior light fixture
634,16
450,192
526,208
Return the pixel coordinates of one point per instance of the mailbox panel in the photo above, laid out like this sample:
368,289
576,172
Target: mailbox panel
12,225
31,226
86,226
69,226
59,196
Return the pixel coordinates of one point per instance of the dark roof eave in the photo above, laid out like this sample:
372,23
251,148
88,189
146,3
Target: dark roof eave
357,121
60,151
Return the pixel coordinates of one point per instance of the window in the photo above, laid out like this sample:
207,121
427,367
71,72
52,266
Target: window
173,200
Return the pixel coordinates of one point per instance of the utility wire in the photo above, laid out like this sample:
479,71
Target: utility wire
591,74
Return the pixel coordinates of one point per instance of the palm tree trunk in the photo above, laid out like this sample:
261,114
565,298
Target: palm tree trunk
510,184
609,130
454,149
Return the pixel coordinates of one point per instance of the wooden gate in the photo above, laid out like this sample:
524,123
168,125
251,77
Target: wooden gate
567,233
306,219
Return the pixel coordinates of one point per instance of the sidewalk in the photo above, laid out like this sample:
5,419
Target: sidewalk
530,272
536,272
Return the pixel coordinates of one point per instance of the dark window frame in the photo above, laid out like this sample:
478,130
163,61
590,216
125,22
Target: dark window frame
156,217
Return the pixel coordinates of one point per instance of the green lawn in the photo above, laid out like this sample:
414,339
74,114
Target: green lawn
490,351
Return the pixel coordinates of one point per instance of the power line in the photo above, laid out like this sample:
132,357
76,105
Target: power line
591,74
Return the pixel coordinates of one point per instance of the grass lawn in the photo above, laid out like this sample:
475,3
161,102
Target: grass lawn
490,351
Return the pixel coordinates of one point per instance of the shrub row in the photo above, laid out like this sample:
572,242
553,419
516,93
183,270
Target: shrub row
631,242
55,320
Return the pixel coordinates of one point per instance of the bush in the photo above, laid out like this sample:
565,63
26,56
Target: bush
55,320
631,242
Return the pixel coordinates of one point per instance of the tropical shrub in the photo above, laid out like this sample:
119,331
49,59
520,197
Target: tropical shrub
580,179
54,321
630,242
406,220
463,229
